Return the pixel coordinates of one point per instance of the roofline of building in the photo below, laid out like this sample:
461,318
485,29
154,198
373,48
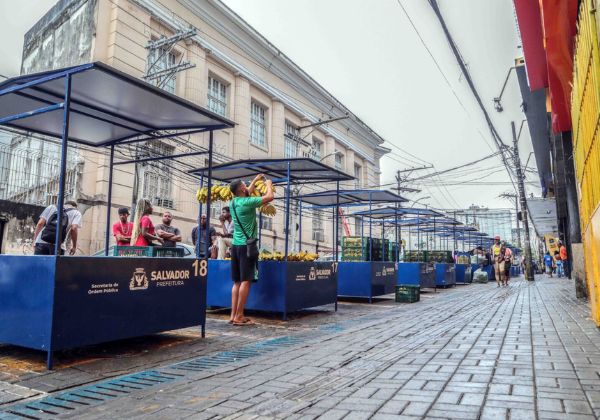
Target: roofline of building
290,64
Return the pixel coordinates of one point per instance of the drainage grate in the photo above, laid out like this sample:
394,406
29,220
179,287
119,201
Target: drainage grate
68,401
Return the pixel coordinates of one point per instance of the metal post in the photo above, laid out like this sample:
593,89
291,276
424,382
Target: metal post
370,227
109,198
260,218
398,243
208,196
333,233
63,165
383,240
520,180
198,221
299,225
337,218
287,211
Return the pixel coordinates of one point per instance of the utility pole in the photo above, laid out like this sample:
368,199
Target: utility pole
515,197
523,199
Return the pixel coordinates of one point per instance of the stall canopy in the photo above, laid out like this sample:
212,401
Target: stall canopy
349,197
106,107
386,212
300,171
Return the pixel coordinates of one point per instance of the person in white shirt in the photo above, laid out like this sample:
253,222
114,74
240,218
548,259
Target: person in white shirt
45,230
223,240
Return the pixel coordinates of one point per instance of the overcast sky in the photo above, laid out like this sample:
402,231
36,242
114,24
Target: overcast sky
369,56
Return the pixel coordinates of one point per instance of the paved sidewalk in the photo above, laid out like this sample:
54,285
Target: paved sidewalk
527,351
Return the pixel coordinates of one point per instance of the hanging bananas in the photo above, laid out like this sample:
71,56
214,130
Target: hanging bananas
217,193
267,210
223,193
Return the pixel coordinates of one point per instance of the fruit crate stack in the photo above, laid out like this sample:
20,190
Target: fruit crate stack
391,251
377,250
416,256
407,293
355,248
440,256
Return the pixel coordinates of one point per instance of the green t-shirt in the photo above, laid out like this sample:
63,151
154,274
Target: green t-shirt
245,210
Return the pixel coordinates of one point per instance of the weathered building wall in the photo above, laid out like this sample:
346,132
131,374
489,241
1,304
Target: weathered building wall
117,33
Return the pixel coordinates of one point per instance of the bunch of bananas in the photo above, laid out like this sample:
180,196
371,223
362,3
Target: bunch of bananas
270,256
267,210
217,193
294,256
302,256
260,188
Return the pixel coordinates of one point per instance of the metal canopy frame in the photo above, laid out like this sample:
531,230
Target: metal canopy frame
282,171
100,107
347,198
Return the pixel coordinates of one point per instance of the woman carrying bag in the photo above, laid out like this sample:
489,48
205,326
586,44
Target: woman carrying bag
244,246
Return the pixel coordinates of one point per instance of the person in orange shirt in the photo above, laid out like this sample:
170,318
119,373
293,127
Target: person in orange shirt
562,251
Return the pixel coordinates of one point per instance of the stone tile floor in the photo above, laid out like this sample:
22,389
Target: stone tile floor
526,351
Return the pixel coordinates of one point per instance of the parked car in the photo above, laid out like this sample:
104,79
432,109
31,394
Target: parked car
188,251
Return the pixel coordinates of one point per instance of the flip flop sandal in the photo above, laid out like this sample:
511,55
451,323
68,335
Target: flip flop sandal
246,321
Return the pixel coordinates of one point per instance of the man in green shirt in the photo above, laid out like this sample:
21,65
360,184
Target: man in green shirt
243,209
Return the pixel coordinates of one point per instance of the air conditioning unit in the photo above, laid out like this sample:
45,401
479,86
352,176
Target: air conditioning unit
318,236
164,203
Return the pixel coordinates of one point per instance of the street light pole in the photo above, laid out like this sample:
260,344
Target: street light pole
523,200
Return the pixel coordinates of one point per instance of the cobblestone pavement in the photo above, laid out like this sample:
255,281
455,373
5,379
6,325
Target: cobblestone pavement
526,351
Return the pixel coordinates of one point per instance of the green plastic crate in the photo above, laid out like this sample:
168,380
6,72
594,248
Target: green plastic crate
132,251
167,252
408,294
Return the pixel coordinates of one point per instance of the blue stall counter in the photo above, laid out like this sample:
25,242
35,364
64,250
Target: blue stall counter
56,303
282,286
417,274
463,273
366,279
445,275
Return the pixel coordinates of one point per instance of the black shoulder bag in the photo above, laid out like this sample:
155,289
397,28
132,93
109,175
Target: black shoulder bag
251,243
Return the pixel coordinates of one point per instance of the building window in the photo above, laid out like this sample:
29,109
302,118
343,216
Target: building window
266,223
290,147
160,60
357,175
215,209
217,96
339,161
317,150
157,176
318,233
258,133
357,226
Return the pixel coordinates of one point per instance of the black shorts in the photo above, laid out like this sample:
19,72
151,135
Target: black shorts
242,267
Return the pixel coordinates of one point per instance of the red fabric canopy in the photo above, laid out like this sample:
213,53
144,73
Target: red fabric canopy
560,28
532,36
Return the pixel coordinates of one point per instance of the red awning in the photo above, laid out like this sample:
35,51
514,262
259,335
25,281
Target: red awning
560,19
532,36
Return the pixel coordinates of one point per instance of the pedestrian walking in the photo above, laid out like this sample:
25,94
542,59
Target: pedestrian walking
559,265
498,259
566,266
144,233
169,234
548,263
45,230
508,258
123,229
244,248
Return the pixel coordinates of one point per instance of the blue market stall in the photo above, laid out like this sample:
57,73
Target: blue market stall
52,303
415,272
283,286
360,275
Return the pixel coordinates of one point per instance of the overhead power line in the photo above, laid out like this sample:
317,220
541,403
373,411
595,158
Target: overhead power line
501,146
